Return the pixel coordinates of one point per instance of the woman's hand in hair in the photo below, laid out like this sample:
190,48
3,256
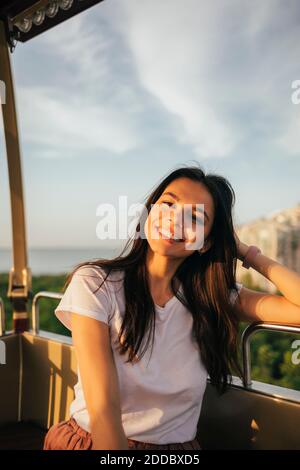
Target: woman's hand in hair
241,247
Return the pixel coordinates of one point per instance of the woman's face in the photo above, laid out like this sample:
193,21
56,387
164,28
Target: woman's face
176,224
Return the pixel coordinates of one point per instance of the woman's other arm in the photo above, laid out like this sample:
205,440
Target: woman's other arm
263,306
100,384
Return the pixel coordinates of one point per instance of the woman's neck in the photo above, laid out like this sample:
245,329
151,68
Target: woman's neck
161,270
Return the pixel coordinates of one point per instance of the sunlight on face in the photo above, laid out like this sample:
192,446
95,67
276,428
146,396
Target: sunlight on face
181,218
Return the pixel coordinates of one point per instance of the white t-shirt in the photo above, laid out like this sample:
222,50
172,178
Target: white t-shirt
160,399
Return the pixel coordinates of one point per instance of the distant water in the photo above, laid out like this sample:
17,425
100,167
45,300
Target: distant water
56,260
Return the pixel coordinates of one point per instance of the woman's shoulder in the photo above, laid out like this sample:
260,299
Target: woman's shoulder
96,270
113,278
90,270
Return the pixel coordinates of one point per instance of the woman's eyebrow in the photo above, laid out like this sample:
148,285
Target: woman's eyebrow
174,196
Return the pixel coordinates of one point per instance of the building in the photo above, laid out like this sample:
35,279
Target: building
278,236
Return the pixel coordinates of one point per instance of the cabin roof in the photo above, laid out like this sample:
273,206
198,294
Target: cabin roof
14,12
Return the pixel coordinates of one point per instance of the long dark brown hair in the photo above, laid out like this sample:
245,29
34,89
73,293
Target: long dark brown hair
206,278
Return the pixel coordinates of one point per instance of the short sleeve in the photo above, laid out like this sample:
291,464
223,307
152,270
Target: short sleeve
80,296
233,294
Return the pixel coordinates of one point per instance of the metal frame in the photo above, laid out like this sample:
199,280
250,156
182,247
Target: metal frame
247,335
36,308
252,386
11,11
20,277
19,283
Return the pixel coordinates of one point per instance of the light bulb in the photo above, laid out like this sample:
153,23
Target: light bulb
65,4
24,25
39,17
52,9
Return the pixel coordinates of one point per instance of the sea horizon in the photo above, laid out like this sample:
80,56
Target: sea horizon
57,260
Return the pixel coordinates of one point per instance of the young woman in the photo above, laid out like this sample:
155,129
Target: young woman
183,303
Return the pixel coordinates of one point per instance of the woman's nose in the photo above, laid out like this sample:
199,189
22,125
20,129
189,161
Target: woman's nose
174,222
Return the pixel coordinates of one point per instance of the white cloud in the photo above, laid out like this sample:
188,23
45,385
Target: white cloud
290,139
218,66
168,52
60,126
91,108
220,69
82,43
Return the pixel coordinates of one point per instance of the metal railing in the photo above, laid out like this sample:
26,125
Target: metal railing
246,338
2,317
36,307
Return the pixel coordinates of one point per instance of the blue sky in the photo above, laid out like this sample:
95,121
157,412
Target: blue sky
112,100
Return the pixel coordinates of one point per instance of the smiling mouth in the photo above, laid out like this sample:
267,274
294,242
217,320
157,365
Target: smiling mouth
169,237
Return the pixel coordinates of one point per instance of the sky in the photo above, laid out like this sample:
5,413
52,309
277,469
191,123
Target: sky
114,99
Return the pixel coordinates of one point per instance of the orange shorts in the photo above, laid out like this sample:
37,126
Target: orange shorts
68,435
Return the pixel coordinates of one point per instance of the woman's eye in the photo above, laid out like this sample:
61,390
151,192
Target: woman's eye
194,217
167,203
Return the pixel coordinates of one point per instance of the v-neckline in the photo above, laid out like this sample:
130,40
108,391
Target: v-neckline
169,302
